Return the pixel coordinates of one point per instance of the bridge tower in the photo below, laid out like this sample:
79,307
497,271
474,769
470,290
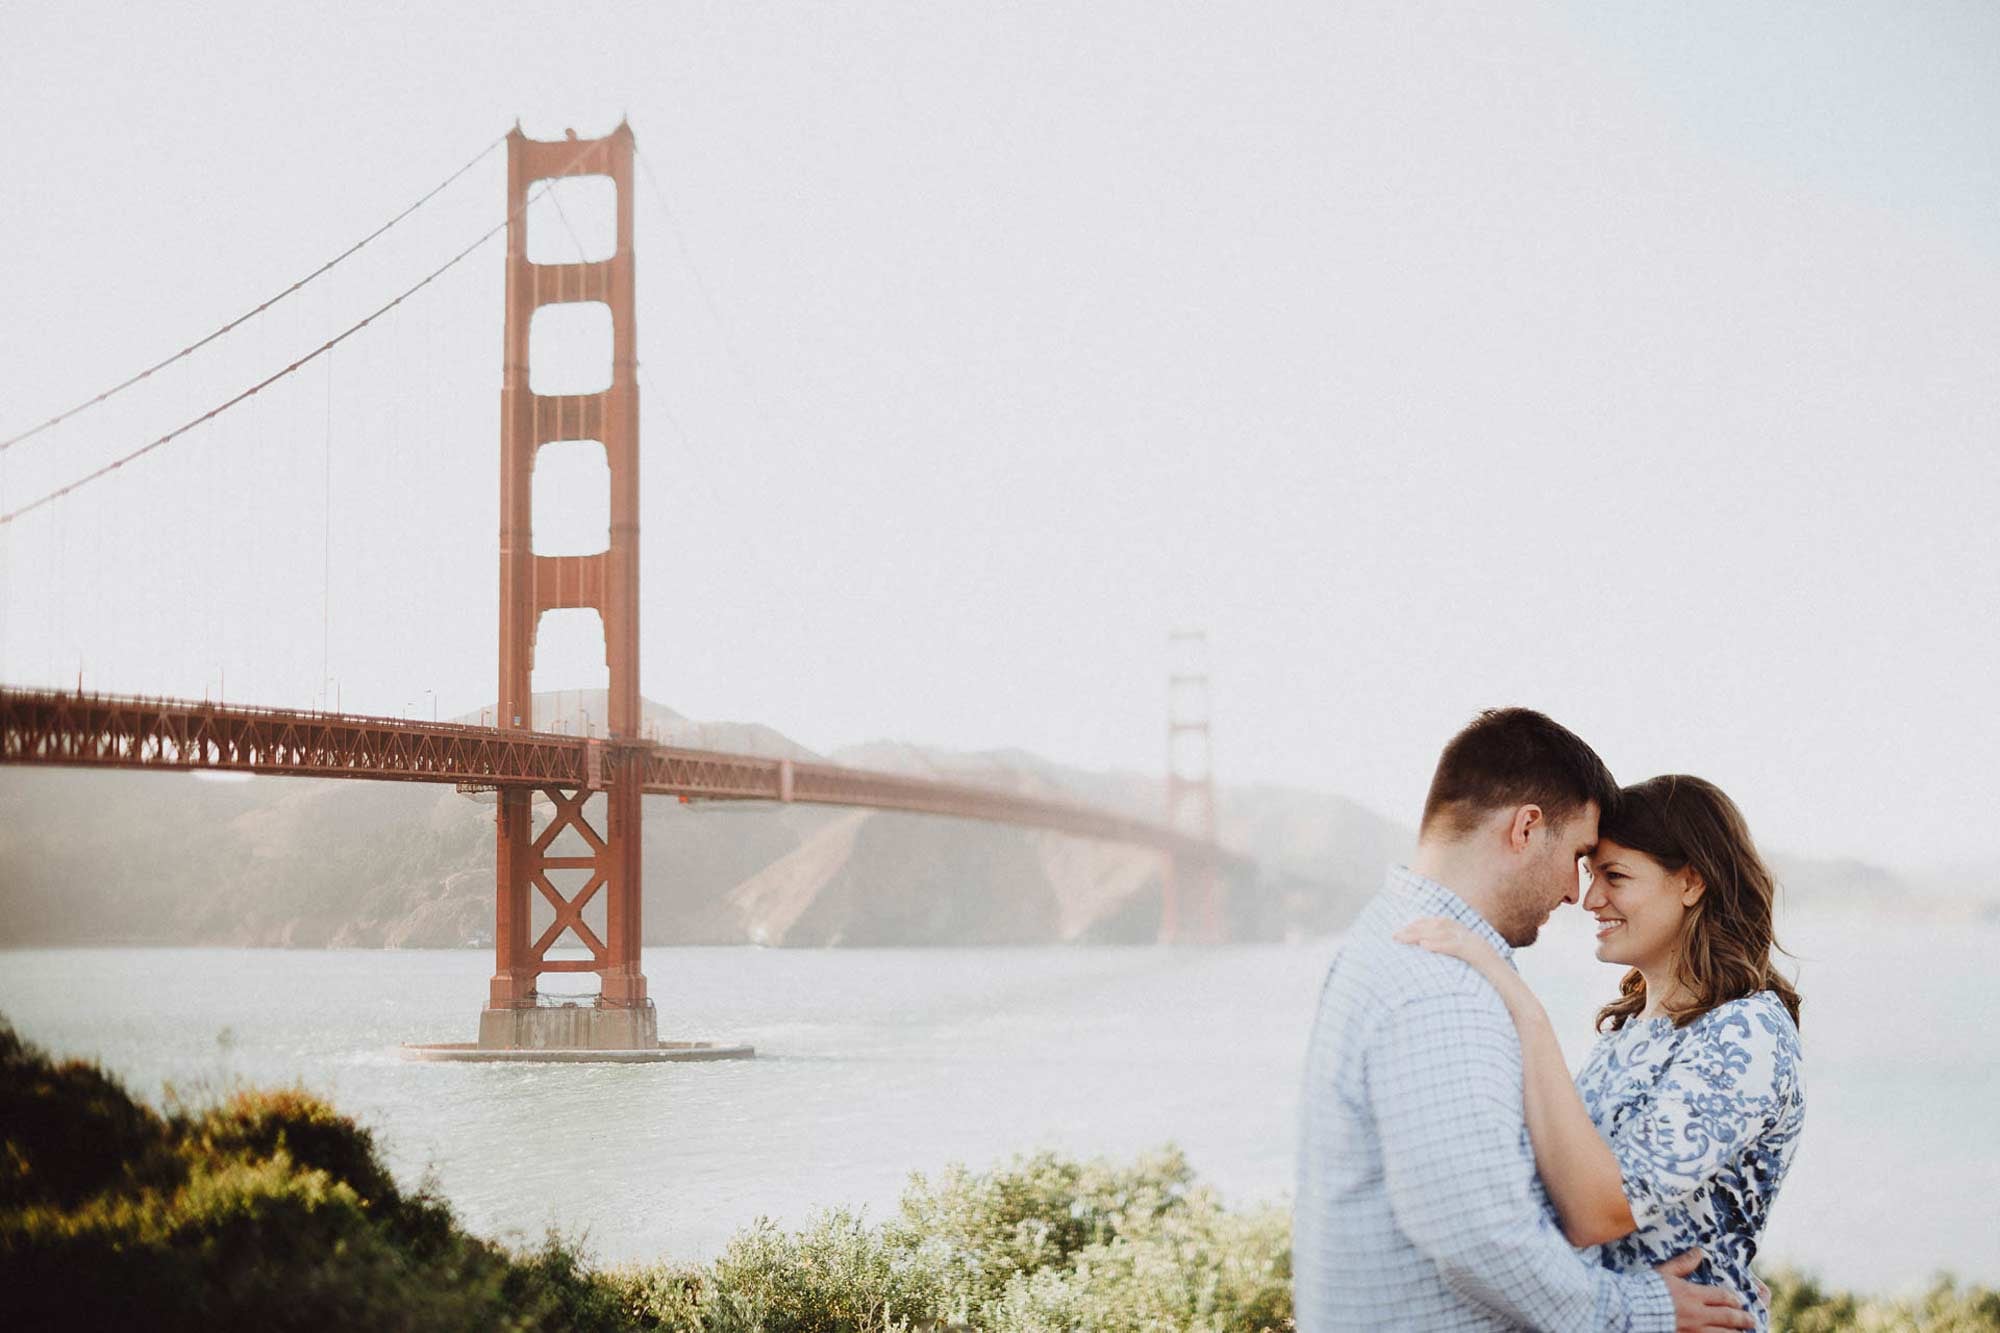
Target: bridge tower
1192,906
530,585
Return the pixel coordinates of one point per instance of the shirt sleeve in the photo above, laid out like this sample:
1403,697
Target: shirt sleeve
1444,1083
1722,1088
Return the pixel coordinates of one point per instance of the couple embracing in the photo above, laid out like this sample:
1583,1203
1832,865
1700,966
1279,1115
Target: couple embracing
1452,1175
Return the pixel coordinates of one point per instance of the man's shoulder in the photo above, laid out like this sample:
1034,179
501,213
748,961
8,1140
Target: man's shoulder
1405,972
1386,977
1453,1004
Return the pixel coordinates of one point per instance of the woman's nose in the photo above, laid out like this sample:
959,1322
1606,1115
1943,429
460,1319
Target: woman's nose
1593,893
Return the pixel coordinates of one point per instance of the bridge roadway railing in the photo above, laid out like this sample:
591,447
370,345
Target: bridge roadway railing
118,731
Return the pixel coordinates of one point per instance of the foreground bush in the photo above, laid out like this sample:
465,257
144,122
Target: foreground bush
1045,1243
269,1210
1801,1305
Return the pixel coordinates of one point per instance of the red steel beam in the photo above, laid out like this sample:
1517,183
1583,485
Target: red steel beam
38,727
113,731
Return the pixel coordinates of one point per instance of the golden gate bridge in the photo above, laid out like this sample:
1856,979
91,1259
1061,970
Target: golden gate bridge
519,764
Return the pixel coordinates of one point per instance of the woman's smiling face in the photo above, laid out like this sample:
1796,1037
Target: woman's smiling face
1639,905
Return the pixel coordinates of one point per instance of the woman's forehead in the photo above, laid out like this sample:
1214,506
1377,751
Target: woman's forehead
1609,850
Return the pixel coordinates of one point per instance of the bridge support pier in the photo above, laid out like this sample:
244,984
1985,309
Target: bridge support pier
1191,907
581,1027
529,868
513,983
526,868
621,1017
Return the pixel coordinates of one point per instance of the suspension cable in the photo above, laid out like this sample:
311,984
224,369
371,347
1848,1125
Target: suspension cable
687,257
194,347
582,256
262,384
309,357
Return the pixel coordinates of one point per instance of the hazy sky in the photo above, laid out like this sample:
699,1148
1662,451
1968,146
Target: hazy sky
1638,362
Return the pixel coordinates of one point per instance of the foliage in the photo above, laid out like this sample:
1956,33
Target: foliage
1042,1243
1040,1212
71,1131
271,1210
1051,1243
838,1274
267,1210
1800,1305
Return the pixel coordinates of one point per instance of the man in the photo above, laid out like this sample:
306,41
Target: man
1418,1205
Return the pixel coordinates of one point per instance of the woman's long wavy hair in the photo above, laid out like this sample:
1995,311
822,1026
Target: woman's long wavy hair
1725,944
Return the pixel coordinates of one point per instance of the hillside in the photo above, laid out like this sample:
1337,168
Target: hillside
151,858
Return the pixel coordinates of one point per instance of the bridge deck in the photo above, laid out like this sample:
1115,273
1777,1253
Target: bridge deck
112,731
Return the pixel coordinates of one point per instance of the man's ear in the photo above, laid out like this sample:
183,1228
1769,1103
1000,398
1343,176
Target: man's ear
1527,819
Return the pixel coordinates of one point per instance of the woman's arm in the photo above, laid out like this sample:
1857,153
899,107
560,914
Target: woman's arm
1577,1166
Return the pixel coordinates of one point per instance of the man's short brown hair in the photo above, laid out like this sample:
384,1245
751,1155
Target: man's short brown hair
1510,757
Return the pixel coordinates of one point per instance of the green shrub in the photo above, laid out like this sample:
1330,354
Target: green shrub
836,1275
267,1210
260,1125
1038,1212
270,1210
69,1130
1800,1305
997,1249
553,1288
1194,1267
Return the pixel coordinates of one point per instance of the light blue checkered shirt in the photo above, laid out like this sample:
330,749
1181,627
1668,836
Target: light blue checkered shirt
1418,1206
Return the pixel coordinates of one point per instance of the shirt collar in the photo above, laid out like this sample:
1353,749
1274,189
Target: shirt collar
1429,898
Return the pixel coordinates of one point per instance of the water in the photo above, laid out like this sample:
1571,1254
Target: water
874,1064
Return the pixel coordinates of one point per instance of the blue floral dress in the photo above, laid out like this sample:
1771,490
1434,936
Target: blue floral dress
1704,1120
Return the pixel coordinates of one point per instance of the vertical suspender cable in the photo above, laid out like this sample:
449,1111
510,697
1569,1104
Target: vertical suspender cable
54,583
326,540
534,453
6,567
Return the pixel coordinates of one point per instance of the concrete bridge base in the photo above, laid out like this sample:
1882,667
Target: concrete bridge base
587,1027
574,1034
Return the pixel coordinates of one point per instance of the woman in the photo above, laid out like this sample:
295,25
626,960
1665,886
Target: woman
1682,1124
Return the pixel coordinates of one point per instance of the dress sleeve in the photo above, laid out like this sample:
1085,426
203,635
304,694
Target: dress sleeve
1723,1088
